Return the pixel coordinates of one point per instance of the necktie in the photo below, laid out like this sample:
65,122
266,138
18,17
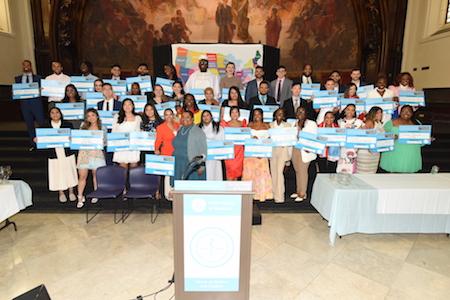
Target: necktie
28,79
295,104
263,100
279,91
107,105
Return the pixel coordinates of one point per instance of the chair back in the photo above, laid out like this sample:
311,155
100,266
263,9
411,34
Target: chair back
111,177
143,183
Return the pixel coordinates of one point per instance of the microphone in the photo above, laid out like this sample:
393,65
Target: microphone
198,160
193,165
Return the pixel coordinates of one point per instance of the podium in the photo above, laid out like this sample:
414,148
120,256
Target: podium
212,223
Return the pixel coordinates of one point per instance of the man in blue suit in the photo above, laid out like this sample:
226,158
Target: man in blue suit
110,103
253,85
32,110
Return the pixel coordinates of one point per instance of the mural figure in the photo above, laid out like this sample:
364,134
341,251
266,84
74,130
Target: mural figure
224,19
273,28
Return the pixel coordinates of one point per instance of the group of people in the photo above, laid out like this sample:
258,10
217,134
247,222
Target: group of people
184,132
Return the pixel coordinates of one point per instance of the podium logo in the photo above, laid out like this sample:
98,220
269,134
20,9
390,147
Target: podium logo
199,205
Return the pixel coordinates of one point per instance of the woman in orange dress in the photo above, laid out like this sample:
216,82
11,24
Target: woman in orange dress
234,166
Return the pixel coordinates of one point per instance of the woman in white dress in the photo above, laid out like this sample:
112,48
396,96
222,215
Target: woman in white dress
213,131
367,161
127,120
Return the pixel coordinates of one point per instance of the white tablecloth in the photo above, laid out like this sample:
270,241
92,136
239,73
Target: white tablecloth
15,195
353,207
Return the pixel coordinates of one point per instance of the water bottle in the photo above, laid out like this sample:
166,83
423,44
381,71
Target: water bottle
434,169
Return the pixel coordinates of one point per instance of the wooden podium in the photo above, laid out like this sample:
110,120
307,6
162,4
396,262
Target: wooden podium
212,223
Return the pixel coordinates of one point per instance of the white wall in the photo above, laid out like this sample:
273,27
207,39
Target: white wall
426,43
18,45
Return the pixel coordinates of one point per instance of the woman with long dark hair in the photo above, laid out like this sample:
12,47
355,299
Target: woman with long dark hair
150,118
170,72
127,120
178,92
158,96
71,94
213,132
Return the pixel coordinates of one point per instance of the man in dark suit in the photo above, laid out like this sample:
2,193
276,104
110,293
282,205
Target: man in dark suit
280,88
32,110
307,75
355,75
116,72
263,97
110,103
290,105
253,85
336,76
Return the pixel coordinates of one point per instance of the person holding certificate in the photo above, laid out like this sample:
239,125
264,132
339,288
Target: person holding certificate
98,85
367,161
62,171
127,120
189,104
256,169
403,82
158,96
233,167
202,78
213,131
110,103
57,75
327,162
209,97
329,86
406,158
32,110
178,92
234,100
302,158
89,160
280,156
382,92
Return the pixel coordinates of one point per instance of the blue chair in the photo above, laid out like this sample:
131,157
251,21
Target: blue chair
110,185
142,186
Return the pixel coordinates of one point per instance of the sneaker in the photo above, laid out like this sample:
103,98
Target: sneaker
294,195
62,198
80,204
94,200
72,197
298,199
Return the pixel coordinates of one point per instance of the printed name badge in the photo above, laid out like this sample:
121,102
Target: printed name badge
92,99
413,98
139,101
22,91
258,148
119,86
244,114
414,134
385,142
285,136
52,138
107,117
214,109
53,88
145,83
220,150
361,138
309,142
118,141
325,99
332,137
237,135
86,139
308,89
142,141
268,111
166,84
72,111
82,83
159,165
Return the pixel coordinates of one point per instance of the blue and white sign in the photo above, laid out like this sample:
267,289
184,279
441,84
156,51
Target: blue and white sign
82,83
160,108
52,138
53,88
92,99
198,94
325,99
364,90
119,86
139,101
361,138
360,106
413,98
386,104
212,236
25,90
225,92
159,165
385,142
166,85
309,142
283,136
244,114
86,139
145,83
220,150
214,109
258,148
414,134
142,140
72,111
332,137
107,118
292,122
237,135
308,89
118,141
268,111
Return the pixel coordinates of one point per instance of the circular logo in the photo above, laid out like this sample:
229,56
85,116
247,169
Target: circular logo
212,247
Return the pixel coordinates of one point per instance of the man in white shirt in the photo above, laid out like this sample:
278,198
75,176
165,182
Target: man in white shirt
86,70
116,71
202,78
381,91
307,77
57,75
109,104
